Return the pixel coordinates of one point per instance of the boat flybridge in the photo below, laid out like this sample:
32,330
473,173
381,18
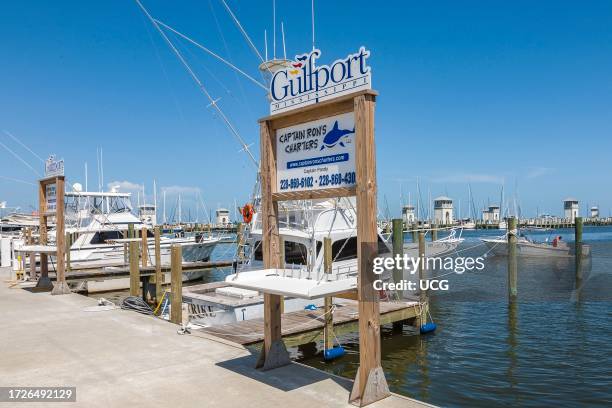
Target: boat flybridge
303,226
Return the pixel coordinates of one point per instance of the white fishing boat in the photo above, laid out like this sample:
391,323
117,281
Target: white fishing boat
466,224
303,227
527,248
100,220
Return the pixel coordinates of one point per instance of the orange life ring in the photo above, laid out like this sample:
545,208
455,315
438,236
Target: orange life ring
247,213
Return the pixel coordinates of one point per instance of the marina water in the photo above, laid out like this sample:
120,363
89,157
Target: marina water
552,347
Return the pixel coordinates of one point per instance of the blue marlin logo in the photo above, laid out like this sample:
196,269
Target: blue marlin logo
336,136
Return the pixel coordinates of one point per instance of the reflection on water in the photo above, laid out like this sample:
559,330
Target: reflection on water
550,347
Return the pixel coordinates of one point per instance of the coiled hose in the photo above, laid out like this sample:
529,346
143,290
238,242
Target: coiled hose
136,304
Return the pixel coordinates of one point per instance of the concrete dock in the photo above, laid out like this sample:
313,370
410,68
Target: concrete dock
120,358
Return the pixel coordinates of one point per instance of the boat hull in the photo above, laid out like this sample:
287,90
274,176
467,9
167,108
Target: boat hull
499,247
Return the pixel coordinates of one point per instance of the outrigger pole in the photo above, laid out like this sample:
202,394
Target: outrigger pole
213,102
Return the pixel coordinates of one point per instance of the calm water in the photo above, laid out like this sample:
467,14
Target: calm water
554,346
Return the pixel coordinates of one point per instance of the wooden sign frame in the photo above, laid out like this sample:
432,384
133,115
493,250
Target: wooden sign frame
370,384
61,286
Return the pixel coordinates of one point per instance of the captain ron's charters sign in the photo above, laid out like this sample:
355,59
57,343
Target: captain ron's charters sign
304,83
316,155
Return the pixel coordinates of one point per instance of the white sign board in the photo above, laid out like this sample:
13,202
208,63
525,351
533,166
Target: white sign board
303,83
51,197
54,167
316,155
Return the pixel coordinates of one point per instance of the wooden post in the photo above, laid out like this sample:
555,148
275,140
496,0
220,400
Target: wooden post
131,231
32,265
176,284
61,286
434,232
68,246
423,276
370,383
144,249
240,242
415,233
578,249
125,253
328,330
134,270
158,272
44,283
273,353
512,255
398,249
281,245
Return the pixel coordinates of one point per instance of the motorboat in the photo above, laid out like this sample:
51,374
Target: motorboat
528,248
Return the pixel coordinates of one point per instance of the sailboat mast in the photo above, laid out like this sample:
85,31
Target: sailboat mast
179,209
164,198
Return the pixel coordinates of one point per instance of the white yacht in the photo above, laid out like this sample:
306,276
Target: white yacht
303,225
99,221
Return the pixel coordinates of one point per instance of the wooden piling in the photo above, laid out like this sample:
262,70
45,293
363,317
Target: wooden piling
398,250
434,232
144,248
68,245
578,244
415,233
134,270
32,265
176,284
329,318
158,272
422,271
240,242
512,258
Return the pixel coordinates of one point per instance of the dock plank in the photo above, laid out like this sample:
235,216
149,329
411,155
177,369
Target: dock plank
303,322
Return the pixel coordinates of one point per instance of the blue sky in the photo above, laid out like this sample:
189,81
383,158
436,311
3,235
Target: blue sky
484,92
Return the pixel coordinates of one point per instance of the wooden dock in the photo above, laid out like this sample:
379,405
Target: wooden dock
306,326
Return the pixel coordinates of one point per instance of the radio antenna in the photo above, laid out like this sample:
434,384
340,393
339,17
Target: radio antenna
313,26
274,28
283,34
266,43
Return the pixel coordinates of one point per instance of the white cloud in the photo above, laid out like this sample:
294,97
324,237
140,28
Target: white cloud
124,185
469,178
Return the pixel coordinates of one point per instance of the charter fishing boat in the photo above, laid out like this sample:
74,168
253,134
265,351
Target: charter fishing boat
303,226
99,220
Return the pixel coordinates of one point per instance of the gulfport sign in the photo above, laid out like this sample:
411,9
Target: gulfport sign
304,83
